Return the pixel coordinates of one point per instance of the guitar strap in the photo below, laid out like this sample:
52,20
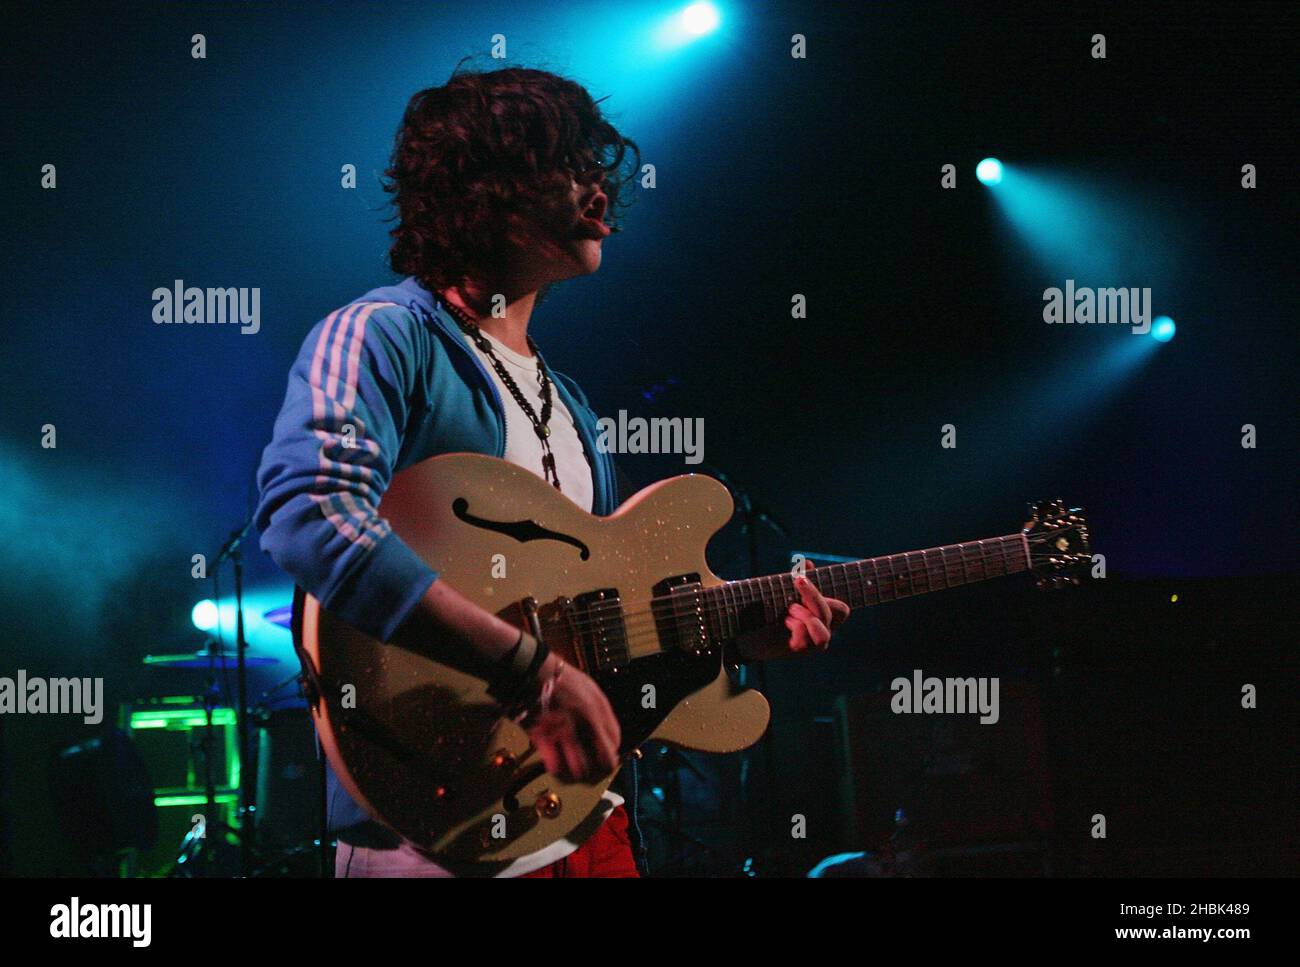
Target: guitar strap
308,680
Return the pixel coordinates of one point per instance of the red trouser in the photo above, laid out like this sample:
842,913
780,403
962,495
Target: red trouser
607,854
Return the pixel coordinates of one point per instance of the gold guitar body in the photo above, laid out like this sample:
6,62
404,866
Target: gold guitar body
423,748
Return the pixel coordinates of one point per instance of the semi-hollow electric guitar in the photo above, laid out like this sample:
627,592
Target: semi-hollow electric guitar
627,598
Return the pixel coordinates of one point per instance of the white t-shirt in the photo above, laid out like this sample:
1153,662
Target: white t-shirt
523,449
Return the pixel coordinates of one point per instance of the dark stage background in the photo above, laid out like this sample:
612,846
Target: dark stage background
775,176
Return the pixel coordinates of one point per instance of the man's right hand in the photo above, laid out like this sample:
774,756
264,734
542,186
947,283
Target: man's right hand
576,735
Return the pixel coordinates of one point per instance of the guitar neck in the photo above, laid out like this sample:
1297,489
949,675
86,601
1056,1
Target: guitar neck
751,603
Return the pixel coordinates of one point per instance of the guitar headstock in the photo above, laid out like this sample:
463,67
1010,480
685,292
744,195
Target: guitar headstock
1058,542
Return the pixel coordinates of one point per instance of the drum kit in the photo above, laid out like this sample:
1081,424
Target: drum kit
241,777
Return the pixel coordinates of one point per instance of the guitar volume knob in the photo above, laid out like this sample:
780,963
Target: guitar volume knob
548,805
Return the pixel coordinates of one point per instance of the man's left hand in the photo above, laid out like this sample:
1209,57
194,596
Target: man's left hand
807,627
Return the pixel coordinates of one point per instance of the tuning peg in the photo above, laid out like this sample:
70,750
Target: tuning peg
1055,581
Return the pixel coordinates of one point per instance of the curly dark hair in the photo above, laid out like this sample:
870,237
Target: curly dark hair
489,149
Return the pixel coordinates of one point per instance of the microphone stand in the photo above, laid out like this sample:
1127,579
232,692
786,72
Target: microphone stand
247,809
752,514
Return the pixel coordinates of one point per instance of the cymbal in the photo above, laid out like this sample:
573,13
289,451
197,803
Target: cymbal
207,658
282,616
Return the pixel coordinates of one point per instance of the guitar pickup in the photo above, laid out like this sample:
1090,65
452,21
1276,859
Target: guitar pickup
684,621
596,618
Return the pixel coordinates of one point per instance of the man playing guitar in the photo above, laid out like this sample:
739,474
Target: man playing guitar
504,182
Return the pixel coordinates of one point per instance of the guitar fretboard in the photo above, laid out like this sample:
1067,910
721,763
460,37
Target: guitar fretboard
748,604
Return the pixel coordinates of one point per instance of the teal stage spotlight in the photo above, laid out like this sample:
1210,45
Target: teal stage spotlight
686,26
1163,329
700,18
204,615
989,171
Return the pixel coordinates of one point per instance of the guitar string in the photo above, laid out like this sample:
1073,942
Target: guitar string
729,594
729,598
1000,547
644,631
971,554
736,589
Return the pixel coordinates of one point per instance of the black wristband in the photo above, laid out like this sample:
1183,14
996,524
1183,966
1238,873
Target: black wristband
512,685
515,662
